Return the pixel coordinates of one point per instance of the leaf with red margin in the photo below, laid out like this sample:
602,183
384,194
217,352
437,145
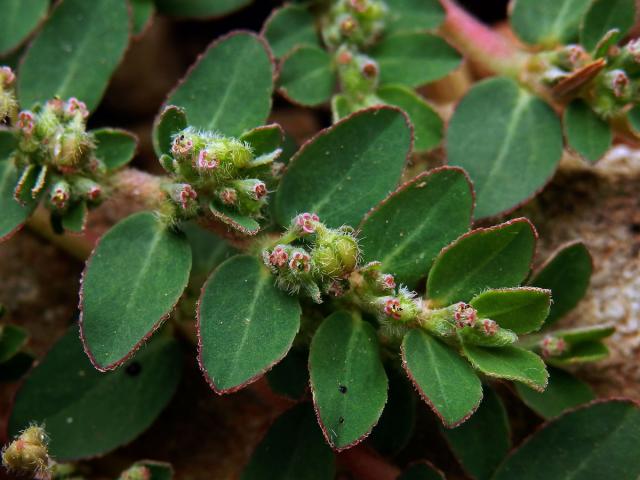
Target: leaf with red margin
445,380
484,258
264,139
167,123
347,168
233,219
348,380
596,442
130,284
229,88
401,230
114,146
288,27
245,324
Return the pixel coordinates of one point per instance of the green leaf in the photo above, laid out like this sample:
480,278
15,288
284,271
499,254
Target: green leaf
348,381
200,8
521,310
347,168
599,441
19,18
115,147
396,425
485,258
444,379
547,22
12,339
142,12
510,363
421,471
288,27
264,139
401,231
583,352
88,413
563,392
427,124
245,324
413,15
290,377
605,15
169,121
508,140
307,76
13,213
293,449
481,443
233,219
586,132
566,274
414,59
75,219
592,333
233,102
131,282
76,52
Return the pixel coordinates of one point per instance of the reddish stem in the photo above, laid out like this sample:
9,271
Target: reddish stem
480,43
365,464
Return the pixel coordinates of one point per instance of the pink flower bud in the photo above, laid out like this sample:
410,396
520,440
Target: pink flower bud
259,190
278,257
392,308
619,83
7,77
187,196
370,69
387,281
229,196
348,25
489,327
306,222
344,58
465,315
206,161
552,346
300,262
60,197
76,106
94,193
181,146
25,122
336,288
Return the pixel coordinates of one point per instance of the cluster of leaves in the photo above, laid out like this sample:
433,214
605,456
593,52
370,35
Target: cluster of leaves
365,297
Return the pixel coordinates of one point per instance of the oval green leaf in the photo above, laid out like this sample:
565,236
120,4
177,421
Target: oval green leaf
88,413
521,310
547,22
567,274
169,121
427,124
481,443
131,282
414,59
115,147
348,380
264,139
347,168
508,140
563,392
234,101
413,15
142,12
596,442
289,27
76,52
293,449
485,258
603,16
245,324
14,214
586,133
446,382
510,363
19,18
306,76
407,230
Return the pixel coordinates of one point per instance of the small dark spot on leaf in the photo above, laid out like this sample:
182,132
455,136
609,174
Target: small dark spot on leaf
343,389
134,369
341,420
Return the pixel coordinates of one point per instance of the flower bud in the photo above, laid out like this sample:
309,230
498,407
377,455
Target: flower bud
182,146
88,189
404,307
386,282
251,188
618,82
229,196
28,454
137,472
60,195
7,77
185,196
300,261
464,315
278,257
26,122
76,107
348,252
552,346
206,161
70,147
305,223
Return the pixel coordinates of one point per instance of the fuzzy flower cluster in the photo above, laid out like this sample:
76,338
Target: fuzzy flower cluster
8,102
313,258
56,157
213,171
355,22
28,454
551,346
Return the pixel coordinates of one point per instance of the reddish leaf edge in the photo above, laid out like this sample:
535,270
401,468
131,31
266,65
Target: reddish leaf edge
210,381
427,400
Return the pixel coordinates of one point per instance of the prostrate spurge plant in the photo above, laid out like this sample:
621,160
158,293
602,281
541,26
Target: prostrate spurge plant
328,270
